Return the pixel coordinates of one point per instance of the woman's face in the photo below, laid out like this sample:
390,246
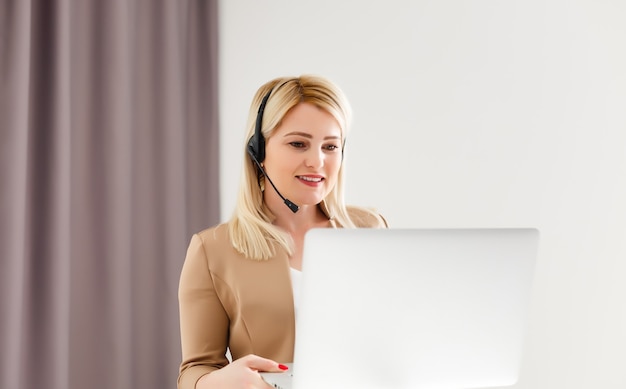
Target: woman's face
303,155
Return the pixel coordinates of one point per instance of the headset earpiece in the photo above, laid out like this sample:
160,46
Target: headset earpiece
256,149
256,144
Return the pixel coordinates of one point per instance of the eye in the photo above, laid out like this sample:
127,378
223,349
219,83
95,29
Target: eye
297,145
331,147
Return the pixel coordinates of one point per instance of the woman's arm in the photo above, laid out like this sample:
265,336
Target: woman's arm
203,320
204,327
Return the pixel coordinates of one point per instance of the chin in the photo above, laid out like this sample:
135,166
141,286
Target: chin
309,201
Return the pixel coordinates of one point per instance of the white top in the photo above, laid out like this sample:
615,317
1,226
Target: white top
296,282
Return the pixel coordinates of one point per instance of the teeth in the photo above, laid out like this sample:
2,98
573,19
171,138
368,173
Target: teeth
310,179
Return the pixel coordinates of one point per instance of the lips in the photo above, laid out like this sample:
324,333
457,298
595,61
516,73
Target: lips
311,179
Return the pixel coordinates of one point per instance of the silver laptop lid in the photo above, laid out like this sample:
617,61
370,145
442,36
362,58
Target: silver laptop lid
413,308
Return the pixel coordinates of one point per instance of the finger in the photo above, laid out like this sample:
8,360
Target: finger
263,364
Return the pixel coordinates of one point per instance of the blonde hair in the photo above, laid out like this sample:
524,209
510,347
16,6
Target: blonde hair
250,227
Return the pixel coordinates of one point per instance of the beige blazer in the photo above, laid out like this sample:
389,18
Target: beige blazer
229,301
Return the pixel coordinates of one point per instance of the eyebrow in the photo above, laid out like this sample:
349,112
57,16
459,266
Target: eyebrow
306,135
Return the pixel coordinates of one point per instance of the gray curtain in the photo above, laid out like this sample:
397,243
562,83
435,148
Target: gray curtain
108,163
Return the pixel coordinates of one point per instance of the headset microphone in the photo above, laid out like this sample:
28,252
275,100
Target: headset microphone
256,149
294,208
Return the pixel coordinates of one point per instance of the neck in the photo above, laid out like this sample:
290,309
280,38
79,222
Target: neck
307,217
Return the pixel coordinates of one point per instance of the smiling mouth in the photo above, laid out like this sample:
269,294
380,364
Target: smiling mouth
311,179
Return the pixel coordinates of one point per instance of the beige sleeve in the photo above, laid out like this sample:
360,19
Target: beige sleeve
203,320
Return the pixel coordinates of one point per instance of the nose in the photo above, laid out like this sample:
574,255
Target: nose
314,159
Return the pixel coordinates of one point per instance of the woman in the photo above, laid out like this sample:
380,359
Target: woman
236,283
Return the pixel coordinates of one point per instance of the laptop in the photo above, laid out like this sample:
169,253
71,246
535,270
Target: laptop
412,308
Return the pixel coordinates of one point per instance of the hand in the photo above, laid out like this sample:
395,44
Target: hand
242,373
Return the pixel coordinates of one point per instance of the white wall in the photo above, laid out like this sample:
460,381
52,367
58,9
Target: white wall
477,114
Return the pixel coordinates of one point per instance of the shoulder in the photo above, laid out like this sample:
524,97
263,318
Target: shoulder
366,217
214,236
212,244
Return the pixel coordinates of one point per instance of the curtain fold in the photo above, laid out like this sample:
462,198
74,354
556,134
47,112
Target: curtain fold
109,162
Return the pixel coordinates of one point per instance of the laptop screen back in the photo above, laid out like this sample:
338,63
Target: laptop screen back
413,308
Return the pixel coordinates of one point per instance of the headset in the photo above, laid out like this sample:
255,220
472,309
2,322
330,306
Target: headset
256,144
256,148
